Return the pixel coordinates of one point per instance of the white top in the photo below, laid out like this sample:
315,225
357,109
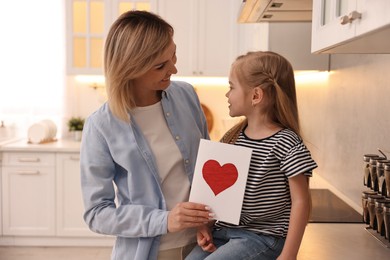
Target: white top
174,182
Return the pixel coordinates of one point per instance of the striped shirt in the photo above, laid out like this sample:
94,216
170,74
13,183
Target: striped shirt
267,202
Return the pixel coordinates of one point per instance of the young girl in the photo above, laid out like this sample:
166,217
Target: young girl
276,203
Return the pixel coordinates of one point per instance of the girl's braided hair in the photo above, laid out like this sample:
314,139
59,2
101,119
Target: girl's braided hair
275,76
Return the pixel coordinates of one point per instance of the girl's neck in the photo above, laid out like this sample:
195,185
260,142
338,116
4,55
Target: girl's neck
260,128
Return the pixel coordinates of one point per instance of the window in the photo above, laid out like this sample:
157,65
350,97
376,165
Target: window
32,63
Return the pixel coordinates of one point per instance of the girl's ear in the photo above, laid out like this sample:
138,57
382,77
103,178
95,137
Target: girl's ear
257,96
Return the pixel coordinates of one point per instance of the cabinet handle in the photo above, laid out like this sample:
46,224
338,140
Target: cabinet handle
344,19
354,15
28,172
28,159
75,158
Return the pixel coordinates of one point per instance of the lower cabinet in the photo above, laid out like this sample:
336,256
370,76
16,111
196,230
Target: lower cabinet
28,194
69,206
41,201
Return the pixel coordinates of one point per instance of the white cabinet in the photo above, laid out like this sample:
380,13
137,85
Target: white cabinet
290,39
1,207
351,26
205,34
28,193
88,22
70,206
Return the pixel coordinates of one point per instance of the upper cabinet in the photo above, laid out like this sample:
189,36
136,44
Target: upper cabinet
351,26
253,11
205,34
88,22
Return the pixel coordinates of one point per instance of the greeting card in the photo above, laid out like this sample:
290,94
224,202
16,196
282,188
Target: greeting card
221,171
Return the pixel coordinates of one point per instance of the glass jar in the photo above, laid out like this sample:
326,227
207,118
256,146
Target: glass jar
366,169
365,194
387,180
379,204
380,172
386,220
373,175
371,209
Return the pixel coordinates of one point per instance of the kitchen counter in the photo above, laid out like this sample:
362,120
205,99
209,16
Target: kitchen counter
6,140
320,242
61,145
341,241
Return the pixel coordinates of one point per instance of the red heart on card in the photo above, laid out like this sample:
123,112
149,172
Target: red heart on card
218,177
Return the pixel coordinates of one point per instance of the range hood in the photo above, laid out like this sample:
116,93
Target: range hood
255,11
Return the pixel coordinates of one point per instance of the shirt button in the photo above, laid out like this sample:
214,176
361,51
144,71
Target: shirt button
177,137
187,161
168,114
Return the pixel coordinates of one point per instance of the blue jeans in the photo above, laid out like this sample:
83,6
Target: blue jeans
234,244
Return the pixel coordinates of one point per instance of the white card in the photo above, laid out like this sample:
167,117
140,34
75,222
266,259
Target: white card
221,171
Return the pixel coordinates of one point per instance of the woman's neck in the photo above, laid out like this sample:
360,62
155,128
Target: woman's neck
148,99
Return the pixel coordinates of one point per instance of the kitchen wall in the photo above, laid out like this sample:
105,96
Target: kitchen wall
343,117
348,117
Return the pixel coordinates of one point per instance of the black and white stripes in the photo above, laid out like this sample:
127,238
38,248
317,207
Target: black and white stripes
267,203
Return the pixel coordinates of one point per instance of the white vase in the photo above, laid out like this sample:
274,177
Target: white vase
77,135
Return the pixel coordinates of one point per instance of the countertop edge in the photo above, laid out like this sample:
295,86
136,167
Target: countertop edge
61,145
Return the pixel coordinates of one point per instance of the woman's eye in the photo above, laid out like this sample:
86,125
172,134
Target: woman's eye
159,67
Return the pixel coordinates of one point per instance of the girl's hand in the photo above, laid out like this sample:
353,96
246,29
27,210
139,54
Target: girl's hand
188,215
205,239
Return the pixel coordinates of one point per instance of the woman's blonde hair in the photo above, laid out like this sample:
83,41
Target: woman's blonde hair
134,42
275,76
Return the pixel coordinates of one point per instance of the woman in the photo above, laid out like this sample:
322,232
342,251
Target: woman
140,147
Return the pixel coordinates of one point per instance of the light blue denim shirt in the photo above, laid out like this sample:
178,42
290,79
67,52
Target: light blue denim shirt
113,151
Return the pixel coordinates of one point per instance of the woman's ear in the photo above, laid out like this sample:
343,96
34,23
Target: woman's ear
257,96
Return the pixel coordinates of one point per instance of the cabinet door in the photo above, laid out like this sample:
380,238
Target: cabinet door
375,15
327,29
28,197
205,35
217,40
88,22
70,207
1,211
182,15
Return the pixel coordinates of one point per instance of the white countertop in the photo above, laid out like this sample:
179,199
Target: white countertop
61,145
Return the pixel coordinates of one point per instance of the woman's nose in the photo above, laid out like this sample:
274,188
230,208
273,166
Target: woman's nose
172,68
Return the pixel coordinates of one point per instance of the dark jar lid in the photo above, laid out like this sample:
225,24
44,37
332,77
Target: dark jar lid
375,159
382,202
373,198
367,157
381,163
367,193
